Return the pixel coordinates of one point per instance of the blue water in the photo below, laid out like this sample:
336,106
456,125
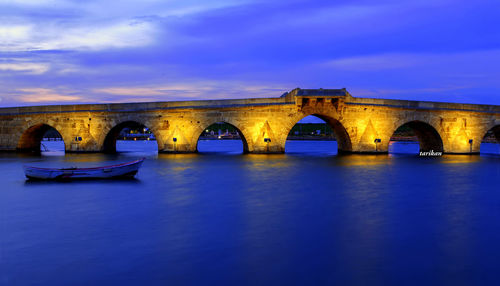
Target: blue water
231,219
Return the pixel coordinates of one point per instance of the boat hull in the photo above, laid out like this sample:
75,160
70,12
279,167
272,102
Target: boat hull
125,170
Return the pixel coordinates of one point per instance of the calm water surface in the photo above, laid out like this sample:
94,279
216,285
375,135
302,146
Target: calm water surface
303,218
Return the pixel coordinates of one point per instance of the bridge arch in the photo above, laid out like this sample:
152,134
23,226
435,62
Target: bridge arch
31,138
492,135
109,142
342,136
203,131
428,136
493,131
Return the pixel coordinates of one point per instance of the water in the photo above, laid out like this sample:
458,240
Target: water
220,146
231,219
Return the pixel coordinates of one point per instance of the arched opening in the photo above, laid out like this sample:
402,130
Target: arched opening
319,135
130,137
41,139
491,142
415,137
222,137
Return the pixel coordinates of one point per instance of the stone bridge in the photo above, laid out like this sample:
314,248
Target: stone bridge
361,125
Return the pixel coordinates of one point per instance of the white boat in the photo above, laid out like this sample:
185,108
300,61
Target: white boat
124,170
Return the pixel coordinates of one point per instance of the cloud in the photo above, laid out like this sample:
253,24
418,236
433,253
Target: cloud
90,25
395,93
44,95
34,2
134,91
480,60
193,90
373,62
25,67
161,8
18,38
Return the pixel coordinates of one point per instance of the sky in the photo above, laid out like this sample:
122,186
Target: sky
96,51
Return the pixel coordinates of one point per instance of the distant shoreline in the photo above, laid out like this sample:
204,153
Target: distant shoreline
312,138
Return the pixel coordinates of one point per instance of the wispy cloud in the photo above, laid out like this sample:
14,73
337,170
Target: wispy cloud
45,95
35,2
96,25
395,93
16,38
374,62
24,67
133,91
391,61
193,90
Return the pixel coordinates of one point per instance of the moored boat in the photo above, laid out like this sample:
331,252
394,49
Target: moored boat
124,170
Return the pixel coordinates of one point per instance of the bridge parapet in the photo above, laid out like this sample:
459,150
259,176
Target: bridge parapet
428,105
142,106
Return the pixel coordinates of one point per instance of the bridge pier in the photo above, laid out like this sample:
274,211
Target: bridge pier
175,148
268,149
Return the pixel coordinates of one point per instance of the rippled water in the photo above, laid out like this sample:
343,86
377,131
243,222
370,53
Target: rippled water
302,218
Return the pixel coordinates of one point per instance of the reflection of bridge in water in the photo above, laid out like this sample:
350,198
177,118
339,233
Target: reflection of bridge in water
360,125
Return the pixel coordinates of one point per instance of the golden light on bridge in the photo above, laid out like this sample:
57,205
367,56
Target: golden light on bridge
361,125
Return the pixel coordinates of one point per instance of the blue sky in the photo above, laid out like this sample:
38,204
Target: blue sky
64,52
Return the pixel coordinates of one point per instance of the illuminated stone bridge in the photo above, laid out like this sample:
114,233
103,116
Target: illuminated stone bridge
361,125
